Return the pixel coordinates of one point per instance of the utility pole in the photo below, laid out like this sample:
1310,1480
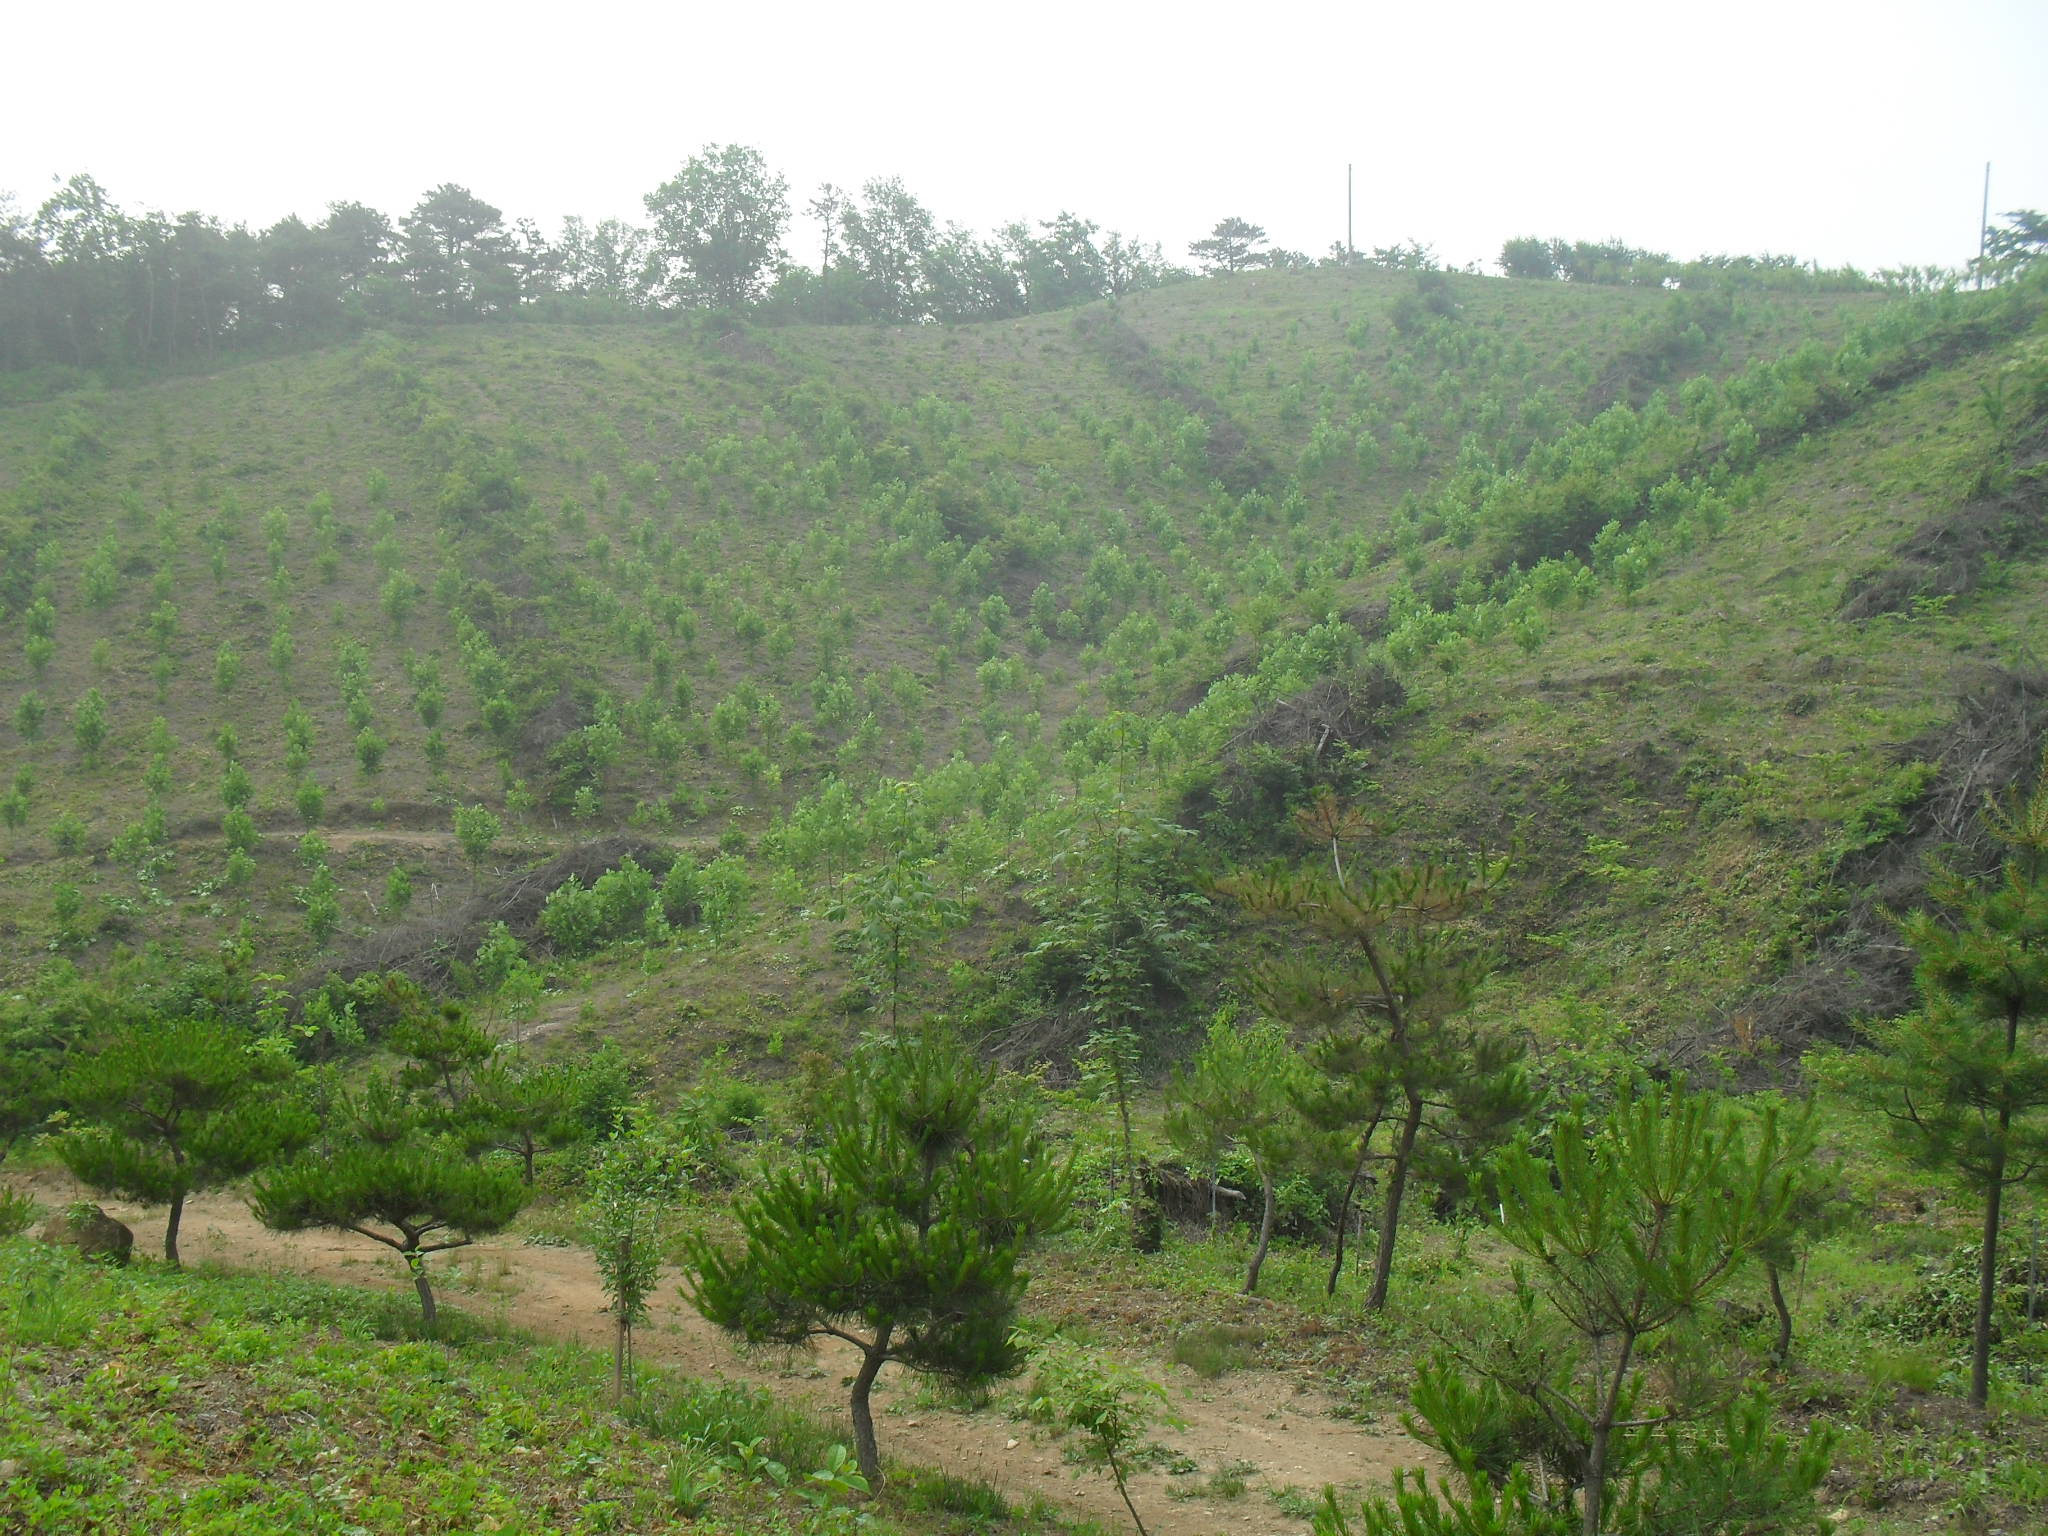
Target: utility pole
1350,250
1984,225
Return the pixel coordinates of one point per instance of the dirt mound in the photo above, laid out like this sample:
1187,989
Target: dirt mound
1308,742
1333,714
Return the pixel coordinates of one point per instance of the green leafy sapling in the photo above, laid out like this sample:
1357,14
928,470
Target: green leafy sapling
1110,1405
1239,1092
628,1198
477,828
89,725
1108,1063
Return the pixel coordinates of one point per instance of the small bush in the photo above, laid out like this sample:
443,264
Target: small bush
67,832
18,1212
1212,1350
572,917
622,904
943,1493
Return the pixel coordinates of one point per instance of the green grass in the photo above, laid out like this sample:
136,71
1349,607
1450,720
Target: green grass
148,1401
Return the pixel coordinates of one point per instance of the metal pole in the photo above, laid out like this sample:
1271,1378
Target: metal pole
1350,250
1984,225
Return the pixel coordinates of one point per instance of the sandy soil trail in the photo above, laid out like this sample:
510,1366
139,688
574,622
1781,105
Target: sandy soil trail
1274,1431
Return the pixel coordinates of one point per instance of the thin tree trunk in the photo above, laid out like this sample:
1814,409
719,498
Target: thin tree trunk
417,1263
1987,1272
1344,1210
895,977
1116,1469
1595,1491
864,1450
1390,1216
1782,1351
1987,1257
1251,1279
619,1361
148,310
171,1231
1123,1109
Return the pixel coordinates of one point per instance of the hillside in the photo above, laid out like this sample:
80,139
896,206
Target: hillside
695,705
701,576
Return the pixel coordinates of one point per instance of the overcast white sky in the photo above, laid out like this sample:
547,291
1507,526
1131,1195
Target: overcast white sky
1846,132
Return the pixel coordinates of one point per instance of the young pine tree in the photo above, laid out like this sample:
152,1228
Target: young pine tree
1965,1078
167,1108
383,1172
1578,1407
1386,1004
900,1232
519,1107
444,1052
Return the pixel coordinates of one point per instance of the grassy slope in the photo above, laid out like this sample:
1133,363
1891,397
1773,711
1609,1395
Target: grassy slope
1685,771
1033,401
148,1401
1676,766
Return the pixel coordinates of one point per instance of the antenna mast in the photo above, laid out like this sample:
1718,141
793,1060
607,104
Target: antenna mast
1984,225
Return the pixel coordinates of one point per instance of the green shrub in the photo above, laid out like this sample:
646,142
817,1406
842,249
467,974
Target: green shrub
626,899
572,917
67,832
1215,1348
622,904
18,1212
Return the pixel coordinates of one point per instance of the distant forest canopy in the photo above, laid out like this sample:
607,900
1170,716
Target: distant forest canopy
88,286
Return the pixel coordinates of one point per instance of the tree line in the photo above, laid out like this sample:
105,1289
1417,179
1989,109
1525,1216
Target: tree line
87,284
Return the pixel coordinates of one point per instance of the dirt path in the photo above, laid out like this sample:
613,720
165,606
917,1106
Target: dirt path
1274,1432
339,839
